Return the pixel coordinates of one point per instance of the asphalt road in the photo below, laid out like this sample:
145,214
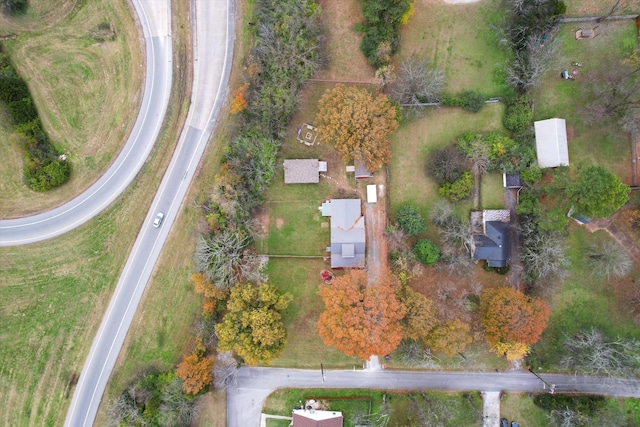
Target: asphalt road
246,397
213,51
154,17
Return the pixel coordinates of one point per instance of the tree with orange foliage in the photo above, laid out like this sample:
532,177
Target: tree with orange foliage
195,370
358,124
239,99
510,316
420,317
361,319
450,337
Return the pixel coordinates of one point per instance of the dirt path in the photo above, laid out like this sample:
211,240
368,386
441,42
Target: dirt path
516,269
617,234
375,215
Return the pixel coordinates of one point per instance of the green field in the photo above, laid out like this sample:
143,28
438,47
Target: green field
460,40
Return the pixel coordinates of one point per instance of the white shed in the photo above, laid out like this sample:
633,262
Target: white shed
372,195
551,143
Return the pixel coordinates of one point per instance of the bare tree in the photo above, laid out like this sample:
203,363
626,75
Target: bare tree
615,92
225,370
592,353
454,231
123,410
529,65
567,417
224,259
177,407
609,259
414,353
544,254
416,82
204,328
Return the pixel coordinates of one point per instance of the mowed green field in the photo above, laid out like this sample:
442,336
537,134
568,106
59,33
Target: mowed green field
86,84
460,40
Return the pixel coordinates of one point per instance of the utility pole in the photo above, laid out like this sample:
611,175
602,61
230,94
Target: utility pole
322,372
552,387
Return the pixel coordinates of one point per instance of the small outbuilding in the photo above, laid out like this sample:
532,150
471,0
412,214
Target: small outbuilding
303,171
372,194
361,171
551,143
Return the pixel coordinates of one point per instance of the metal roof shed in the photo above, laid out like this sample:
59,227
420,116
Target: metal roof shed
372,196
551,143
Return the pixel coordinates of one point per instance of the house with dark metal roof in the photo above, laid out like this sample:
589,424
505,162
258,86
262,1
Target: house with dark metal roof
347,232
303,171
491,237
314,418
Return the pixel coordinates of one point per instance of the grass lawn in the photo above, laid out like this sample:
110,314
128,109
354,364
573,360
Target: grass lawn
272,422
414,140
304,348
583,301
85,91
520,407
601,144
458,39
462,409
600,8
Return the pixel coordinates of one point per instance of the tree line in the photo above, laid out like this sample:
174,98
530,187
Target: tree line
44,168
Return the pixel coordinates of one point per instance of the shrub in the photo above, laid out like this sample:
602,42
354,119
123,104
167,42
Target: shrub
426,251
469,100
447,164
410,220
458,190
518,116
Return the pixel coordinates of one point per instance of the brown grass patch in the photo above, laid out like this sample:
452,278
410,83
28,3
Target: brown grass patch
279,223
346,60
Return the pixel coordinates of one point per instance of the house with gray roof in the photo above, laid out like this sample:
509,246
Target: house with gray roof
303,171
491,236
347,232
551,143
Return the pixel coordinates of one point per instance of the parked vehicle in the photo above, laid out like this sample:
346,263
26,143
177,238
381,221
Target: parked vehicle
504,422
514,424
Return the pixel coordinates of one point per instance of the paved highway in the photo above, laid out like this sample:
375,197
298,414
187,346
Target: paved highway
213,44
245,399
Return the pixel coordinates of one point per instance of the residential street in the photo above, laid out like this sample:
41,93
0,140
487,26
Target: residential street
245,400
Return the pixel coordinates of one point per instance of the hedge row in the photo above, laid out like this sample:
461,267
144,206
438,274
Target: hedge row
43,167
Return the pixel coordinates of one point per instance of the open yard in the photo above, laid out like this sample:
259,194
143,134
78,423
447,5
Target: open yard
601,143
460,40
402,409
414,140
86,89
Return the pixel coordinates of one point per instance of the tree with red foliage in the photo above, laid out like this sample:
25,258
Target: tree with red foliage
361,319
509,315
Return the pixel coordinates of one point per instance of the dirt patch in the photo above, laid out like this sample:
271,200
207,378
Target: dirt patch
346,61
279,223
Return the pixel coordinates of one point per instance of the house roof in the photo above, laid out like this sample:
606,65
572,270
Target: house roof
347,233
511,180
492,244
362,171
302,171
304,418
551,143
